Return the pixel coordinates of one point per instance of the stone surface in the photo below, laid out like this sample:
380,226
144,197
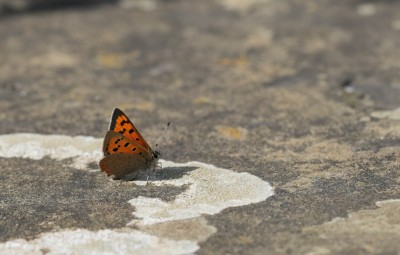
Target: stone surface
167,223
301,94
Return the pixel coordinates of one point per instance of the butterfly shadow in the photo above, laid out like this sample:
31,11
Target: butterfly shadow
172,173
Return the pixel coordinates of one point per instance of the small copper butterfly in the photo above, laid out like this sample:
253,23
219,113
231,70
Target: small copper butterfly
126,152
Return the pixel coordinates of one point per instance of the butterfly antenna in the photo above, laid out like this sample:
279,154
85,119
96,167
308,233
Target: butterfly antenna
165,130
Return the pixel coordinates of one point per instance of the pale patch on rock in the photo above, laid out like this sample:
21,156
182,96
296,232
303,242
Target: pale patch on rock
393,115
366,10
80,241
211,190
396,24
375,230
55,59
83,149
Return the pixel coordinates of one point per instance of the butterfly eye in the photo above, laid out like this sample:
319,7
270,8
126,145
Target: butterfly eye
157,154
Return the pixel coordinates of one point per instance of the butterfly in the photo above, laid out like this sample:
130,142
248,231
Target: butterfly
126,152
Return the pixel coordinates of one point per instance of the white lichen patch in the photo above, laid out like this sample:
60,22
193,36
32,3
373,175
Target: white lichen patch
83,149
105,242
385,219
173,227
211,189
393,115
377,229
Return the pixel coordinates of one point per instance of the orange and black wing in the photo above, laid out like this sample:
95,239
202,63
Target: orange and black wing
116,143
120,123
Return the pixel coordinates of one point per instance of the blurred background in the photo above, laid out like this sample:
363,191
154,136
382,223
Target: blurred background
64,64
242,77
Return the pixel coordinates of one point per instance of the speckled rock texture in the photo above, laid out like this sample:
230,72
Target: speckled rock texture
302,94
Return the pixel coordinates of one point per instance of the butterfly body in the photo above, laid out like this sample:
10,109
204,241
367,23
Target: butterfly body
126,152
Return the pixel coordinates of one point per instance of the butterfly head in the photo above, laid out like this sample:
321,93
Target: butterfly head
157,154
